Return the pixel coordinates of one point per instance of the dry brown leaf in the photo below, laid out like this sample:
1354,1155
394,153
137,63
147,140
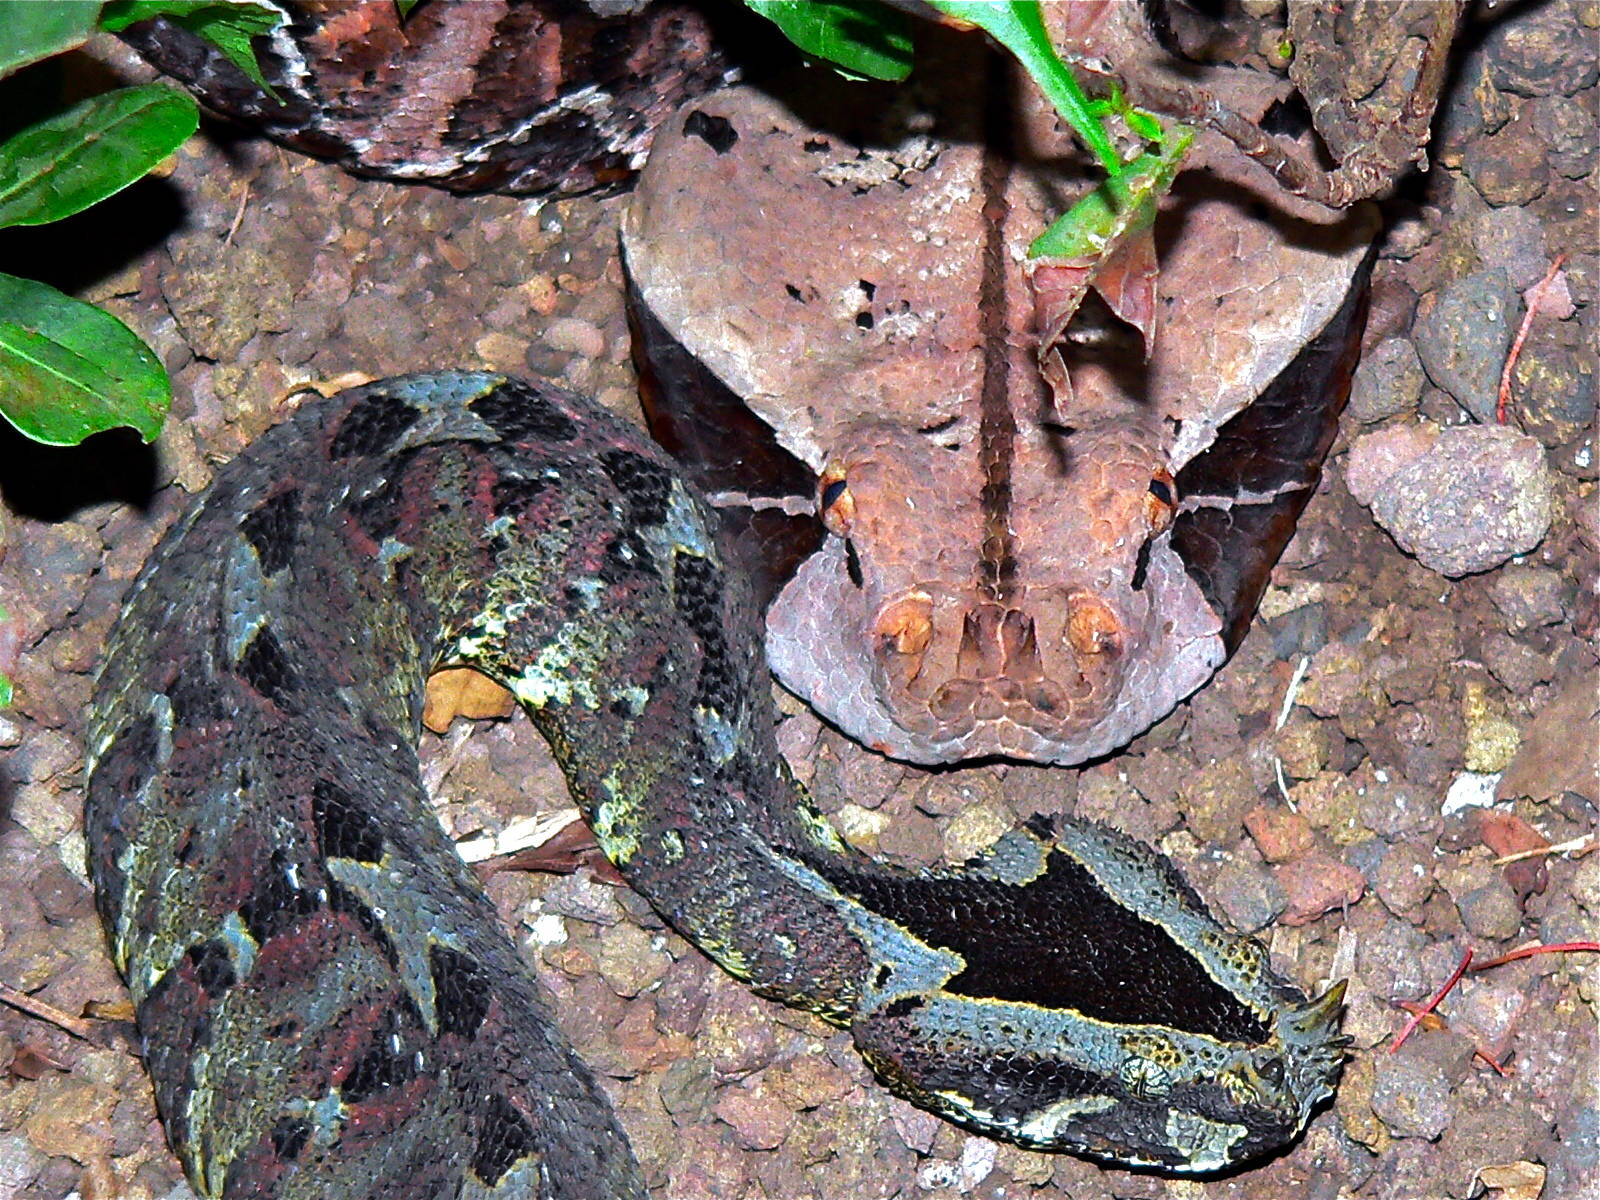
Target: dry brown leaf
463,692
1560,751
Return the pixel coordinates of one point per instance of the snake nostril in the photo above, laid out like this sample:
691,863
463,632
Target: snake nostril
906,626
1092,628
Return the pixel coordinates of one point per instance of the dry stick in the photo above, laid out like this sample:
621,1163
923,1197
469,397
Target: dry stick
1579,846
1534,299
1366,171
23,1002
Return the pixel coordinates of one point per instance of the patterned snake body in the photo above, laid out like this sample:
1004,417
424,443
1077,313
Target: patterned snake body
328,1005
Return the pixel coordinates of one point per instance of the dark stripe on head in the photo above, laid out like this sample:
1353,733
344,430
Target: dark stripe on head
265,668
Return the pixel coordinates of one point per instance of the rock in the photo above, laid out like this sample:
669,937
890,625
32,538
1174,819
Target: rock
1553,390
1514,242
1281,834
1529,596
1491,911
1566,124
1411,1096
1509,167
1541,52
1317,884
1461,499
1463,339
1491,739
1246,895
1404,879
1387,382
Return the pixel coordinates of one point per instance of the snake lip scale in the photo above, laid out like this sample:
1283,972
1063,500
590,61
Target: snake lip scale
327,1005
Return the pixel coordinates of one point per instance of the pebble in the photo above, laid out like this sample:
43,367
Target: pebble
1404,878
1461,499
1411,1096
1462,339
1491,911
1247,895
1509,167
1317,884
1491,739
1388,381
575,336
1543,53
1281,834
1529,596
1553,391
1513,242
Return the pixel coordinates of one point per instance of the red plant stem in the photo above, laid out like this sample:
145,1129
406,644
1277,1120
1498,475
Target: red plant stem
1416,1017
1530,951
1535,295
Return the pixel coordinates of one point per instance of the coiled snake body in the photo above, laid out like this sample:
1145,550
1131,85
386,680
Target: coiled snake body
328,1006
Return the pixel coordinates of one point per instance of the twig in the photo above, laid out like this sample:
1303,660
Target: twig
1534,298
238,216
1424,1010
23,1002
1293,690
1578,845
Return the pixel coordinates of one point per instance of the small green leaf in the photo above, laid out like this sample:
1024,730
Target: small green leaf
5,692
1095,224
863,37
93,150
68,370
229,27
1017,25
404,7
30,31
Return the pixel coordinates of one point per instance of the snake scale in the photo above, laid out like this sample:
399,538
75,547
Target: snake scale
327,1004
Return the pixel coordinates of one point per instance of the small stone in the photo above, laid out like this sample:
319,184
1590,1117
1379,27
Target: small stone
1492,740
1491,911
757,1114
1219,799
1508,168
975,830
629,959
1512,241
1529,596
1462,339
1404,878
1553,391
1516,664
1566,124
1461,499
1281,834
575,337
20,1164
1247,895
1304,747
1411,1096
1315,885
1388,381
1540,52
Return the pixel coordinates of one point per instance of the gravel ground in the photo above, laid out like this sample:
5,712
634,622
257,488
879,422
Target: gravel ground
1339,836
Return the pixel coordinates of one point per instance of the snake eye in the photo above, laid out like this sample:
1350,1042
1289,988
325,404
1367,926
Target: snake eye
835,505
1162,501
1271,1069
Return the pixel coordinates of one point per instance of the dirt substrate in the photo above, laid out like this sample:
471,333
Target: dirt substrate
252,271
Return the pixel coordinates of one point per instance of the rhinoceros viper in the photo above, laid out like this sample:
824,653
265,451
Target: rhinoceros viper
327,1005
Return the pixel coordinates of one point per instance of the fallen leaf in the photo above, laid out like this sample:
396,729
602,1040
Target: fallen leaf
463,692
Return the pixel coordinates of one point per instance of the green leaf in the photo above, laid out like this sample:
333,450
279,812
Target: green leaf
30,31
404,7
1017,25
63,165
68,370
863,37
227,26
5,692
1095,224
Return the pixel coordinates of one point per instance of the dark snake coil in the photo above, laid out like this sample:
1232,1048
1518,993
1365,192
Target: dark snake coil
328,1005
